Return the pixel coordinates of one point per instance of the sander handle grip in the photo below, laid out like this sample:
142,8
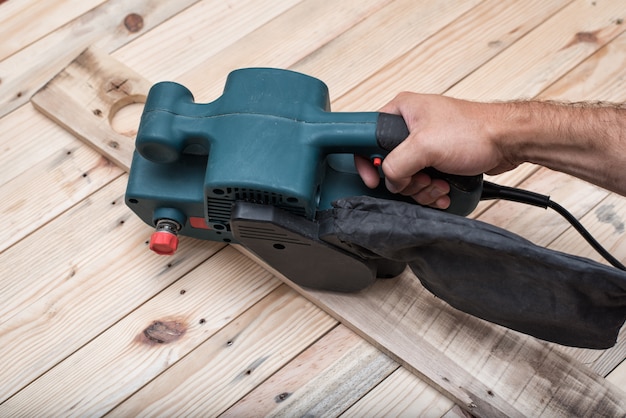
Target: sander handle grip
465,191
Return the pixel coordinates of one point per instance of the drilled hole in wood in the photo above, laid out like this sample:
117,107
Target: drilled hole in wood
125,115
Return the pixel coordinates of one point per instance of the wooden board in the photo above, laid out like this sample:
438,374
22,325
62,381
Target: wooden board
390,315
77,282
109,25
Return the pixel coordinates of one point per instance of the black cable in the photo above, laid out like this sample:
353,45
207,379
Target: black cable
495,191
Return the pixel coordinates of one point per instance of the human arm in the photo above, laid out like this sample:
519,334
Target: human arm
469,138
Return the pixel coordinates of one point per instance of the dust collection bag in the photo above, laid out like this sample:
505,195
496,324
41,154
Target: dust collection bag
489,272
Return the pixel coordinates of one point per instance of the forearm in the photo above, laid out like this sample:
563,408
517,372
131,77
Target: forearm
585,140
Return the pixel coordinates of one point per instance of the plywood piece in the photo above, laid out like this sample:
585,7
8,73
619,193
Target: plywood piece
167,328
484,368
110,26
324,380
235,360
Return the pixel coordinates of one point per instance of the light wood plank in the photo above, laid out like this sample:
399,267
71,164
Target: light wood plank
359,52
402,394
217,24
539,59
451,54
484,391
24,147
23,22
89,267
516,376
322,381
235,360
86,95
57,183
299,32
103,25
618,376
601,77
169,327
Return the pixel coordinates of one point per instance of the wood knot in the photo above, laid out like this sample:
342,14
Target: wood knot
583,37
133,22
164,332
281,397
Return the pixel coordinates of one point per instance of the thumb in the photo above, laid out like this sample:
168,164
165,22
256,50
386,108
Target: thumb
403,163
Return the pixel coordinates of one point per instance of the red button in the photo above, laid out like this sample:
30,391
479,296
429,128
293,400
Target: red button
198,223
377,161
163,243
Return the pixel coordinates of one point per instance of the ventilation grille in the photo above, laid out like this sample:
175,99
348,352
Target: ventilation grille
268,234
220,204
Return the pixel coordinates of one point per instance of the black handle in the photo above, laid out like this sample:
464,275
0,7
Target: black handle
390,131
465,191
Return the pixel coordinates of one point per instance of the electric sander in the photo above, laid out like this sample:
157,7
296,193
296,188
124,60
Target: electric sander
260,166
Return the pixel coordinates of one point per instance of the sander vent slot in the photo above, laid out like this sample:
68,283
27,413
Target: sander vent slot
220,204
268,234
258,196
219,209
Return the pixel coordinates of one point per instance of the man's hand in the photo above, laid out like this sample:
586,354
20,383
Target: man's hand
454,136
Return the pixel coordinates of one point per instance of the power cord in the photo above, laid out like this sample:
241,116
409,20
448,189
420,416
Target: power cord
493,191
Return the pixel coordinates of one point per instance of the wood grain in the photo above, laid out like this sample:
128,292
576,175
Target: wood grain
292,31
450,55
552,49
360,51
24,22
402,394
161,332
324,380
189,39
24,72
81,274
519,372
85,105
236,359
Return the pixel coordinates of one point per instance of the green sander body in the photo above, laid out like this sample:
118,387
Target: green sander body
260,166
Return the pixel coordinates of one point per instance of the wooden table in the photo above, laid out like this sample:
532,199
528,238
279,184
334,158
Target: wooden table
92,323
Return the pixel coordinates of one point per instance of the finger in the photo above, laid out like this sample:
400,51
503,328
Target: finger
367,171
442,203
434,194
418,182
401,165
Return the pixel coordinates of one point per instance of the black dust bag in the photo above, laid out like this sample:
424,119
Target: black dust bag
489,272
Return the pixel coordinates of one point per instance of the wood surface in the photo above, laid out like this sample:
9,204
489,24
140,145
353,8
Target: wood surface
110,25
210,331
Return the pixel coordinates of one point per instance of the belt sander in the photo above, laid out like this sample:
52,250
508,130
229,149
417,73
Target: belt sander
260,166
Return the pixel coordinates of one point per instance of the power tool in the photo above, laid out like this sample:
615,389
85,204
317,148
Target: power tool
260,166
